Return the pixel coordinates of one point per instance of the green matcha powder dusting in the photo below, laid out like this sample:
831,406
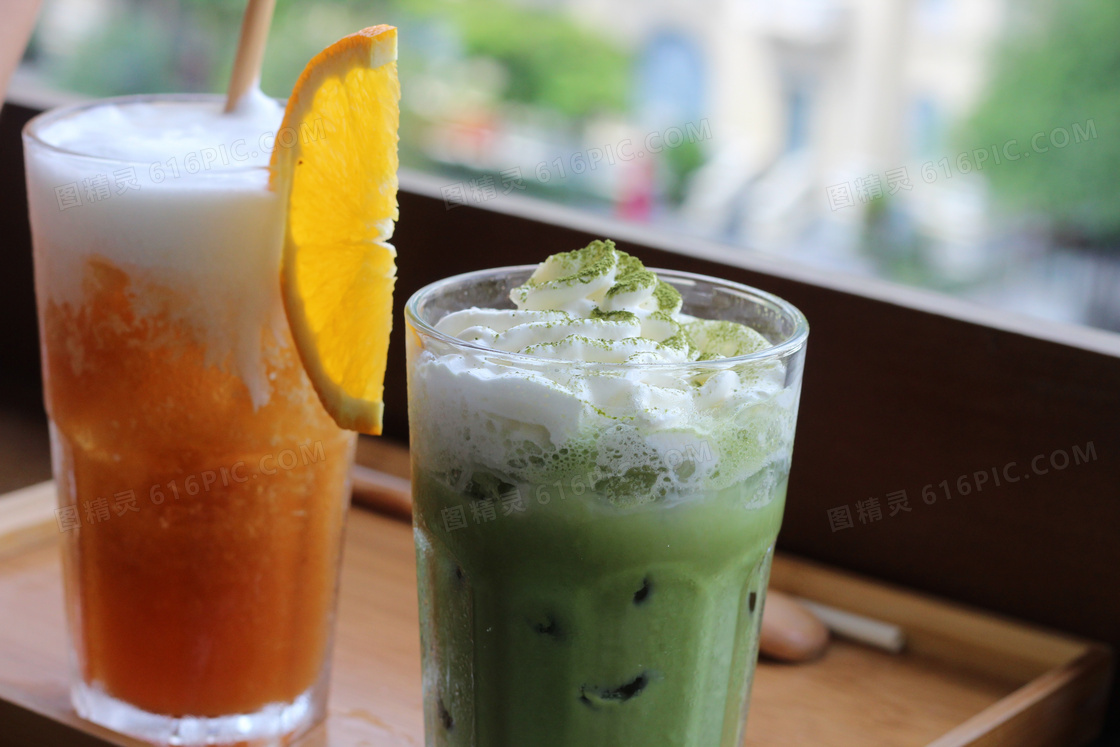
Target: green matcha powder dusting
700,339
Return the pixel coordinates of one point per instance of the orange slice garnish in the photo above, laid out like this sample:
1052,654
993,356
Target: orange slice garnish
339,177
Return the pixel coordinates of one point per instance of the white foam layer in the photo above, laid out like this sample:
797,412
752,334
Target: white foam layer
174,193
644,431
160,130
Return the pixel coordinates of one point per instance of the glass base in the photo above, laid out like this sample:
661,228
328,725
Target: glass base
276,723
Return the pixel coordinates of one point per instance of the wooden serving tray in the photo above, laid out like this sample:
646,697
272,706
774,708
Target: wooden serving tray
966,678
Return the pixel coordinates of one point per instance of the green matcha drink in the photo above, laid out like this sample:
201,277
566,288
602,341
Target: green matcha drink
600,456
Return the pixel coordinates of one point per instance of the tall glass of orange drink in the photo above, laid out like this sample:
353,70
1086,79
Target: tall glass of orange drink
202,486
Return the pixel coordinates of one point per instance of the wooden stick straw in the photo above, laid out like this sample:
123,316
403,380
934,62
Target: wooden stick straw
250,50
855,627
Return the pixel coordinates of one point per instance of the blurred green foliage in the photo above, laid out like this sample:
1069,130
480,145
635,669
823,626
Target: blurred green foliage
550,62
134,57
540,65
681,162
1057,74
188,45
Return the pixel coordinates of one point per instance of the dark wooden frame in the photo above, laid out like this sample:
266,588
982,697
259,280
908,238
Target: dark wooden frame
903,389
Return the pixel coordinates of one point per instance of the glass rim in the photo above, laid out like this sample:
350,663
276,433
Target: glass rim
792,343
31,130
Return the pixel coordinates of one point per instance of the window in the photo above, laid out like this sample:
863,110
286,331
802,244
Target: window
934,16
858,136
927,132
798,111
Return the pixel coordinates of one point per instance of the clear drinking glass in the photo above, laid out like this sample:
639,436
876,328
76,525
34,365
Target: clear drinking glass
202,487
606,589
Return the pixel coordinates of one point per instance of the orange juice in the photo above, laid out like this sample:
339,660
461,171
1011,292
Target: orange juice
202,487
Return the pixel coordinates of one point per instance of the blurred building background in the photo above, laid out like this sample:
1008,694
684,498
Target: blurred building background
962,145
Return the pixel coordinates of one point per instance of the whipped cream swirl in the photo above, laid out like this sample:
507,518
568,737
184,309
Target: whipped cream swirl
600,305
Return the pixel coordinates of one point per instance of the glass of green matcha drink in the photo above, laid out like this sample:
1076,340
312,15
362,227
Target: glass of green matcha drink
600,455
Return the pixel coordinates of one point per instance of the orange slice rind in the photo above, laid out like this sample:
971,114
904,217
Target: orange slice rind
337,171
